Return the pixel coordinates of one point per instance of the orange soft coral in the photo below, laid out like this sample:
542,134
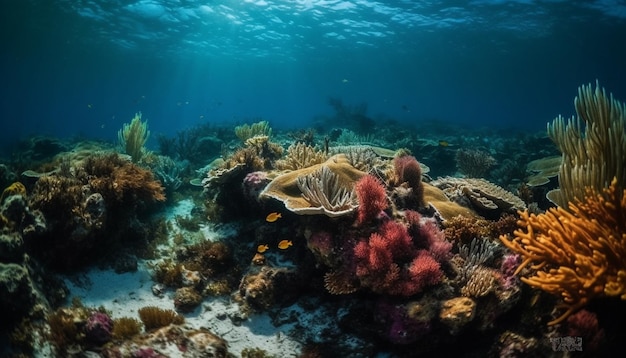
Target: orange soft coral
578,254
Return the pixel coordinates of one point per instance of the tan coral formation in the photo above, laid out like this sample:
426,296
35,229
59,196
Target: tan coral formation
300,155
482,194
543,169
286,187
446,208
457,312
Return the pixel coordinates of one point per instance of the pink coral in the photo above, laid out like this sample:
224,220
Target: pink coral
388,263
99,328
253,184
372,198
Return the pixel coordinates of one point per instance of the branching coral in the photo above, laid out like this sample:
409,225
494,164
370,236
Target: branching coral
578,254
474,163
300,155
133,137
593,145
247,131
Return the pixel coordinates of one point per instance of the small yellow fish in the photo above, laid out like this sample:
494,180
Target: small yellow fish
262,248
271,217
284,244
443,143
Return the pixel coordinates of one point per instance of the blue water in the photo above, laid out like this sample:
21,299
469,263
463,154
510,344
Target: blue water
84,67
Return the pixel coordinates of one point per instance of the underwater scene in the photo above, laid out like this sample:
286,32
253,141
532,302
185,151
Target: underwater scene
312,178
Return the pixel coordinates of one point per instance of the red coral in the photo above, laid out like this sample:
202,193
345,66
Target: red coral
585,324
424,271
388,263
372,198
397,239
408,170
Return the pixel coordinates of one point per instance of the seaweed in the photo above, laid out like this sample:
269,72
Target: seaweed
125,327
154,317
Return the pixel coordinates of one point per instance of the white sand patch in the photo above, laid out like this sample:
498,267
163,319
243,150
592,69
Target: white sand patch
124,294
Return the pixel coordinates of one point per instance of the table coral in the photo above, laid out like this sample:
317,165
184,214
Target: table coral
578,254
286,187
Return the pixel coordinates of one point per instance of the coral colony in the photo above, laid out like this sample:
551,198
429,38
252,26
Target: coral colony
325,223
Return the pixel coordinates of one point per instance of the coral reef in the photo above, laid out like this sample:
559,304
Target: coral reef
486,198
173,340
474,163
300,155
247,131
100,200
579,254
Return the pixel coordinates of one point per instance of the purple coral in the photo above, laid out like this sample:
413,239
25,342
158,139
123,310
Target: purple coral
253,184
508,267
98,328
400,328
146,352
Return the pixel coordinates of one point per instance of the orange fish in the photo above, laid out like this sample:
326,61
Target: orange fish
273,217
284,244
262,248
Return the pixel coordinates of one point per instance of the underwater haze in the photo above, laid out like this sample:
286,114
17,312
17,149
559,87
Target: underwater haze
85,67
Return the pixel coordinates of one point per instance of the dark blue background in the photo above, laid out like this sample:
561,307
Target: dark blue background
65,74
